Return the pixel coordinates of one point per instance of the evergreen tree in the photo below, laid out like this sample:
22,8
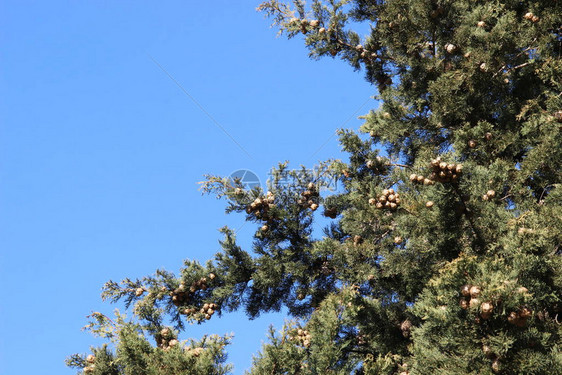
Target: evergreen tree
443,254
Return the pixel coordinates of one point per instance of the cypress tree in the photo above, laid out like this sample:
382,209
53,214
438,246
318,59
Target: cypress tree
443,253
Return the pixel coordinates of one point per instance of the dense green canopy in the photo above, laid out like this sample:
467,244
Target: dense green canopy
444,251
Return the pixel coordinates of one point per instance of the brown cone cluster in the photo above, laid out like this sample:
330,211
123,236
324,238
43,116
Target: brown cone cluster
445,172
309,197
519,318
470,299
361,339
311,25
486,309
305,25
490,194
404,369
261,206
389,199
182,295
487,351
529,16
208,309
368,57
196,352
90,359
496,366
326,269
378,165
441,172
406,327
419,179
301,336
450,48
165,339
357,240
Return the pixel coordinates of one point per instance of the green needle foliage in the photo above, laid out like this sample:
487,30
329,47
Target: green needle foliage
442,256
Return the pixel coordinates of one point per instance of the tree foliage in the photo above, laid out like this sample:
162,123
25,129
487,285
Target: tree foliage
443,254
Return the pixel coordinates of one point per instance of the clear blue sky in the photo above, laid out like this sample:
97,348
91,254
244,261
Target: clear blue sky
100,152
